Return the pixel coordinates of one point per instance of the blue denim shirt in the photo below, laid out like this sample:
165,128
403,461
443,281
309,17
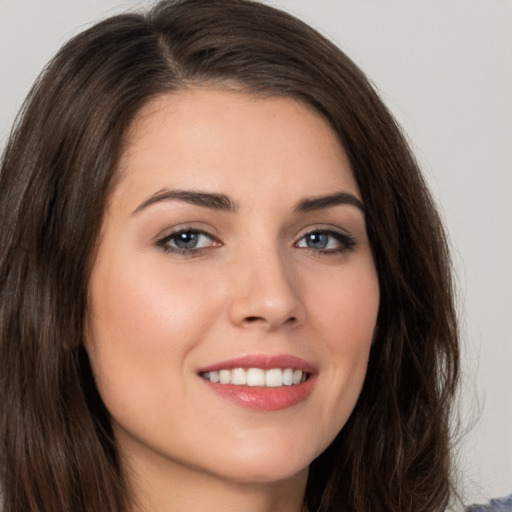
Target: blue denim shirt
497,505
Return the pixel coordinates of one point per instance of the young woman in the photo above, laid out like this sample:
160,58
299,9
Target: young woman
224,285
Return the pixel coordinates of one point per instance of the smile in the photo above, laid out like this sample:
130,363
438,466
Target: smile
261,382
271,378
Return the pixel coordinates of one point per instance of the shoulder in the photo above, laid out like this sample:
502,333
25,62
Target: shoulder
496,505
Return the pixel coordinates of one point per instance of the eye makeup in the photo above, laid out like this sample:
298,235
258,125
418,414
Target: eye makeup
327,241
188,241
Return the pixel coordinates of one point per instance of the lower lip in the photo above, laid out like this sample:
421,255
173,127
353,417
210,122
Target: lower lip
264,398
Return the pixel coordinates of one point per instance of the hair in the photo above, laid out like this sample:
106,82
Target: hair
57,171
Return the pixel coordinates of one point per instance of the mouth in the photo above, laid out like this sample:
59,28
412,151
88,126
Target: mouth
252,377
267,383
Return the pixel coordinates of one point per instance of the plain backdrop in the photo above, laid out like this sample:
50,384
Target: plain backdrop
444,67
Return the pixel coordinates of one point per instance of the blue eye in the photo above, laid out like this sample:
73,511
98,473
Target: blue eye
186,240
327,241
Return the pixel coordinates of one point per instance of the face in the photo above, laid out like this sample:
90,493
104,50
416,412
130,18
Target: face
234,294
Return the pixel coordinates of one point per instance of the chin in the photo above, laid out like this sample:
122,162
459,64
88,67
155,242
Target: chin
264,472
266,464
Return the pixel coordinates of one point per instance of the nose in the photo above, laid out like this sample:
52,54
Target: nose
267,293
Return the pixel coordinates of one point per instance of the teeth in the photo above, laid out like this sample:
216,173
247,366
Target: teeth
273,378
238,376
288,377
225,376
255,377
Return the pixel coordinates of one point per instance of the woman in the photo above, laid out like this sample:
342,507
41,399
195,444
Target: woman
224,283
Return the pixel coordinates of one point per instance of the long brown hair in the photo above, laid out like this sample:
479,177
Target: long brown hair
59,166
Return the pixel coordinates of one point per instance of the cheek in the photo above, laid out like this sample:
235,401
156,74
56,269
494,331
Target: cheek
346,308
142,306
345,316
143,325
354,323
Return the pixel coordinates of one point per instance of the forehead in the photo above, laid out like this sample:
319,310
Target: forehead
200,137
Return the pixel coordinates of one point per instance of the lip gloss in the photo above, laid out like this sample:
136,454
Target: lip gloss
264,398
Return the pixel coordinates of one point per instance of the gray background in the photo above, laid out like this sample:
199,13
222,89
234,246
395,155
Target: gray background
445,69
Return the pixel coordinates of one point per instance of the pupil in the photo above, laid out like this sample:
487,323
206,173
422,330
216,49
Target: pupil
317,240
186,240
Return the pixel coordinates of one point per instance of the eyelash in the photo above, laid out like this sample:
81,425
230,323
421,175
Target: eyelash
193,251
344,240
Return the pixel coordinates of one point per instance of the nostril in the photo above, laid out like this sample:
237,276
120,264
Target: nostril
260,319
252,319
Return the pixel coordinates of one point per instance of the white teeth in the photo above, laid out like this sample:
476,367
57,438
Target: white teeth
273,378
225,376
255,377
238,376
288,377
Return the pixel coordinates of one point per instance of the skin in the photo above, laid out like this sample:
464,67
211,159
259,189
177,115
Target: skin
254,285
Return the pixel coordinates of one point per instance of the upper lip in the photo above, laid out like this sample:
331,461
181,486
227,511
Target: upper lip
263,361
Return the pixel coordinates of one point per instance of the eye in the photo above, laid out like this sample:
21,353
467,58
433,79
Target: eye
327,241
187,241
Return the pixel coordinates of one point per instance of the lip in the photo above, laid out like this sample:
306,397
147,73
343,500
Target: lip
261,397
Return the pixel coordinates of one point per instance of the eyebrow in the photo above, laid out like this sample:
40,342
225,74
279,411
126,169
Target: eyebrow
223,202
205,199
322,202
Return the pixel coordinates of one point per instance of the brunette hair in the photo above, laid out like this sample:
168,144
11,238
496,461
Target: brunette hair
59,166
